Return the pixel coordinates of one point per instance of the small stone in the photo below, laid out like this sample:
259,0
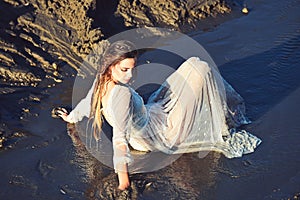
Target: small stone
245,10
62,191
36,99
57,80
148,185
25,110
55,73
54,65
60,21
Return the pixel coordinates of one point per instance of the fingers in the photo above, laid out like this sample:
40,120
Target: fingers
56,112
122,187
62,113
63,109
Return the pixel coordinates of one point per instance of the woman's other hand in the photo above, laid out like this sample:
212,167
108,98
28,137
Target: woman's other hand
63,113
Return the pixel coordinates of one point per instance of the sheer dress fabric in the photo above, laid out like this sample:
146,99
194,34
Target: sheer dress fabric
194,110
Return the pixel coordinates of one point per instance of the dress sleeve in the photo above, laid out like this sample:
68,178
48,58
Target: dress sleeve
83,108
120,113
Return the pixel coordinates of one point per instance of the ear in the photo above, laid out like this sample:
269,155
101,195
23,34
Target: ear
115,66
112,68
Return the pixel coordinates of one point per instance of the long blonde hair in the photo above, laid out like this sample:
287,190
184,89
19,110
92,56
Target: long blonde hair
115,53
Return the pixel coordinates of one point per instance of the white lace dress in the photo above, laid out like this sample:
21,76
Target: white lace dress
192,111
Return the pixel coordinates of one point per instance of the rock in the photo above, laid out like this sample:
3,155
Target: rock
44,32
168,13
67,31
18,77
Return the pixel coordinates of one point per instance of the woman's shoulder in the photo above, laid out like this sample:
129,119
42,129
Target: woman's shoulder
121,90
195,59
122,87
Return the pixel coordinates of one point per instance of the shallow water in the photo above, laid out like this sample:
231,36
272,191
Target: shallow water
258,53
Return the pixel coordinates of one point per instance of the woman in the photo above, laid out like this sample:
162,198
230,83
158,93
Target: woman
188,113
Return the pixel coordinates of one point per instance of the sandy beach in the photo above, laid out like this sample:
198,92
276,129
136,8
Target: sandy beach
41,53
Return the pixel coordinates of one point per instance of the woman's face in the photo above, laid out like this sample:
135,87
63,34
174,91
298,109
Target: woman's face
122,71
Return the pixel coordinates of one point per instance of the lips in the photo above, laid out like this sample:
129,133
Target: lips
126,80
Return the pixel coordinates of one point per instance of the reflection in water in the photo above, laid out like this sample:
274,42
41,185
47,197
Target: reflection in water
188,177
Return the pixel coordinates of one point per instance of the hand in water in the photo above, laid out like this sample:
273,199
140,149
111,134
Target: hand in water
124,182
124,186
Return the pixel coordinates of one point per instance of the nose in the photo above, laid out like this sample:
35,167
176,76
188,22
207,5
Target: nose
129,74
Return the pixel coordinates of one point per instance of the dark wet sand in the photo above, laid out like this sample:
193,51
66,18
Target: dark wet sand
258,53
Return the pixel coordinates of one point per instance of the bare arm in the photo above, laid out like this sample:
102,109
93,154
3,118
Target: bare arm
123,173
82,109
120,112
